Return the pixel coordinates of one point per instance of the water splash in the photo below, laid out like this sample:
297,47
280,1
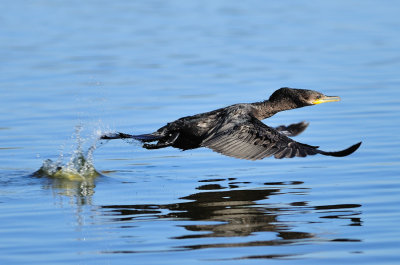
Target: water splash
80,166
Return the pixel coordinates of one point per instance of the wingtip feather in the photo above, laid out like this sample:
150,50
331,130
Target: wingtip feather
345,152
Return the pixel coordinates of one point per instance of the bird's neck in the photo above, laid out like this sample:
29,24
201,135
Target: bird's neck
266,109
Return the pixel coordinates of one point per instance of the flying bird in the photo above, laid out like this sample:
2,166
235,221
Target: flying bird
237,130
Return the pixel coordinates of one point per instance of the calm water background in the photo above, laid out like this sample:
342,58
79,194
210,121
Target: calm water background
135,65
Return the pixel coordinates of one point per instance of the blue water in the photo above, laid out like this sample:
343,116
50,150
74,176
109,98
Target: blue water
72,69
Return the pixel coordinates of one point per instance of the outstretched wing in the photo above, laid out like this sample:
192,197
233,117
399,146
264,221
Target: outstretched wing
293,129
253,140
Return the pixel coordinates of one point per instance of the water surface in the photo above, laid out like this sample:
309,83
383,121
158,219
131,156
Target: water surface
97,66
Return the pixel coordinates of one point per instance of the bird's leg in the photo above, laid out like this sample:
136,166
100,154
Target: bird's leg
163,143
148,137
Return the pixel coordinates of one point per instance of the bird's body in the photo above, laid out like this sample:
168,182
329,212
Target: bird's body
237,130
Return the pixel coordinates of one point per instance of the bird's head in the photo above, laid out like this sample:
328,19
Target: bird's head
297,98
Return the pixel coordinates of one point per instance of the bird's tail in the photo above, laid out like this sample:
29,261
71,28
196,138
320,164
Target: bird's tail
341,153
141,137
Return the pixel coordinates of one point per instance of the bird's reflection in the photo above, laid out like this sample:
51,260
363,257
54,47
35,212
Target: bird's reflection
220,210
217,211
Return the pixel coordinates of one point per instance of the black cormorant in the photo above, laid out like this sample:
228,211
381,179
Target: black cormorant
237,130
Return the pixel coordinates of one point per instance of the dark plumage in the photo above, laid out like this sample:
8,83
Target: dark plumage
237,130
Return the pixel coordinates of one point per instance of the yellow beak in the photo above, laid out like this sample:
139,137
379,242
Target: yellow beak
325,99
